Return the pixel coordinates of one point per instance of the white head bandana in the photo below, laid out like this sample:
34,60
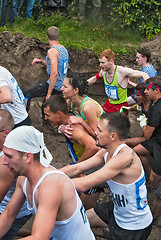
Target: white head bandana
29,139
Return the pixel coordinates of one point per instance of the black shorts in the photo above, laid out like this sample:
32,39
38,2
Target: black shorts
105,212
26,122
153,146
148,144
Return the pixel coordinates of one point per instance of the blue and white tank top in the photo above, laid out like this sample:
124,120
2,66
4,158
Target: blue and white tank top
61,68
150,70
131,209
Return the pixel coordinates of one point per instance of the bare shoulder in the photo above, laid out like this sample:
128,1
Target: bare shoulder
89,105
55,184
126,166
80,134
120,68
123,70
124,157
53,52
54,178
127,152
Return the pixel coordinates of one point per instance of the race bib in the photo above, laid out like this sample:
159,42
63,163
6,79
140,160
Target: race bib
64,66
112,92
141,198
20,94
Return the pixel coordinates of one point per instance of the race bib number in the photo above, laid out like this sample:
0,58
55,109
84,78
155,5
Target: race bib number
20,94
64,66
112,92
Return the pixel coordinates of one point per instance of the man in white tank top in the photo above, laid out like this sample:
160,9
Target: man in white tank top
51,195
128,215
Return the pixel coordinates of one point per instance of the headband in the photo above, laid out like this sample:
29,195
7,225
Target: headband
153,86
29,139
139,93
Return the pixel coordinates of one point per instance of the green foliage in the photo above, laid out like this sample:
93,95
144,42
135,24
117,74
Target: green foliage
72,9
37,10
143,15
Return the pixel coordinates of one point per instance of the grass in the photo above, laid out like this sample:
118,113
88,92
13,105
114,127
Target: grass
93,35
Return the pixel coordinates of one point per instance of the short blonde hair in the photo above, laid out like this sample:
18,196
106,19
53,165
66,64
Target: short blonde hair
108,53
53,33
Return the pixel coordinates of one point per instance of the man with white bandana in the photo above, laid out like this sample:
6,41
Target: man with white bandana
7,180
59,213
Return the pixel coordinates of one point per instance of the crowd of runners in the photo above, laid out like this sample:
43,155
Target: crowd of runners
101,152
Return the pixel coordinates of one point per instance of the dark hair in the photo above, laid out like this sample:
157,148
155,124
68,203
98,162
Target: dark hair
56,103
117,122
140,86
77,80
36,155
155,80
145,53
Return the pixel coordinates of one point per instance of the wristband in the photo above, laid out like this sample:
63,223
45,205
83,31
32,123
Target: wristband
124,109
59,128
138,108
98,76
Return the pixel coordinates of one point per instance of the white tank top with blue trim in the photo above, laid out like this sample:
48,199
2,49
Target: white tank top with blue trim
131,209
76,227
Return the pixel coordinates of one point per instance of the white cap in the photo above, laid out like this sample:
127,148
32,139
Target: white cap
29,139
